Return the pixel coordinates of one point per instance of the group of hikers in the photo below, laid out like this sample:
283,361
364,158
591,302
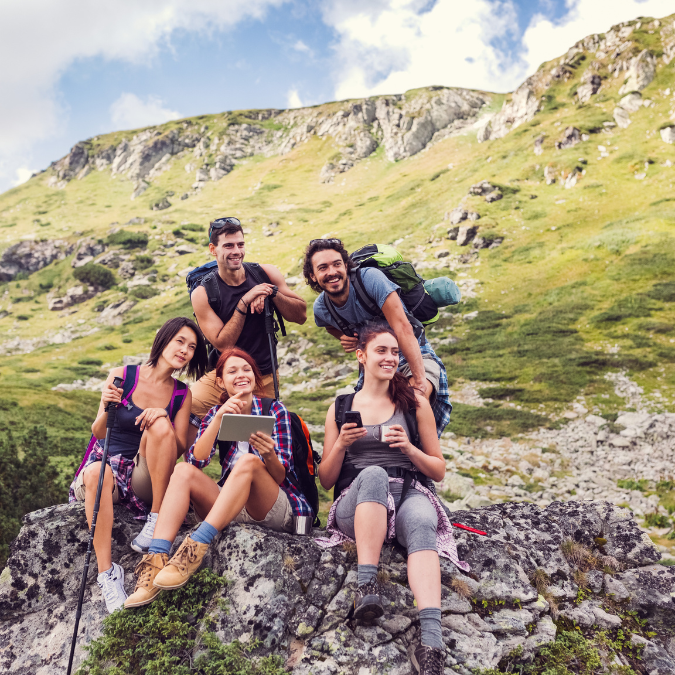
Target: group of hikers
381,449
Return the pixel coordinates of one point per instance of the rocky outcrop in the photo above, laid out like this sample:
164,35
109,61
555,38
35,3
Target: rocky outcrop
668,134
112,315
74,296
590,85
86,250
30,256
571,136
294,599
641,72
522,107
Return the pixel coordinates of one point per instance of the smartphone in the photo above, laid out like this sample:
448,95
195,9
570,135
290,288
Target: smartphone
353,417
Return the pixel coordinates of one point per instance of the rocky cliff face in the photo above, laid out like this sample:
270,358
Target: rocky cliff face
537,572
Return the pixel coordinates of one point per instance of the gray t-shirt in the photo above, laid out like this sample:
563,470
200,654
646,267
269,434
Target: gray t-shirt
353,312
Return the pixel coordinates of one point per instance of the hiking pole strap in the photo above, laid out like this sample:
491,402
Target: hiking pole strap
269,329
111,409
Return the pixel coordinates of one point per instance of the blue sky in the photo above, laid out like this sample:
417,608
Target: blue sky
74,69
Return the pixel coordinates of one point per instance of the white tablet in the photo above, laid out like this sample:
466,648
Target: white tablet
240,427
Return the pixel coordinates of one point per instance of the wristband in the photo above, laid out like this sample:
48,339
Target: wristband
244,301
240,312
275,290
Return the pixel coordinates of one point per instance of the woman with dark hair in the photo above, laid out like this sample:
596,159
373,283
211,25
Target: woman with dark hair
254,486
384,472
149,434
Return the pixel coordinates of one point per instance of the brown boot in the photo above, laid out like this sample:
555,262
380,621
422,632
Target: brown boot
150,566
185,562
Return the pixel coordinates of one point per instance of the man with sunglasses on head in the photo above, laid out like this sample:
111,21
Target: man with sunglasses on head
238,320
327,269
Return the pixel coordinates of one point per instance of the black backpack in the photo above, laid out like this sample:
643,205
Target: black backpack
206,276
305,459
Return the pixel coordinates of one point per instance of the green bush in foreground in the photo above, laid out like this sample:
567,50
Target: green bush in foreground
164,636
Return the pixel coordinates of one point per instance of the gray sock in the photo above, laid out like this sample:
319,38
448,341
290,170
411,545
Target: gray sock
367,573
430,624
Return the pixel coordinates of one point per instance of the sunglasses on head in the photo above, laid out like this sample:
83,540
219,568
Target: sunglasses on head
222,222
327,241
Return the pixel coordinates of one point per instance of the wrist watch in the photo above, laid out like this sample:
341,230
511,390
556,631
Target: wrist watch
275,290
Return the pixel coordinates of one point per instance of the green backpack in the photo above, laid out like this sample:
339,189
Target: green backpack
421,298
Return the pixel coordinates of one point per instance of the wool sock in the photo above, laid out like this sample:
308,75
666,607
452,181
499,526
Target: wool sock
366,573
160,546
204,534
430,625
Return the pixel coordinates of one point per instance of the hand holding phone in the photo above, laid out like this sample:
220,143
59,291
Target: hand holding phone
353,417
352,429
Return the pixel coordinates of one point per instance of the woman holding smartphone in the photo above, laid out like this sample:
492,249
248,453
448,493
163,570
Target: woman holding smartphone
386,488
253,487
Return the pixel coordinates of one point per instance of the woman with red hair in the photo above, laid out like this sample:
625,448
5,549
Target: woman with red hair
253,488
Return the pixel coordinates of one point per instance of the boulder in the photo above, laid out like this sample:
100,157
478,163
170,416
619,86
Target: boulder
112,314
481,189
571,136
621,117
522,107
161,205
73,163
86,250
453,232
668,134
458,215
286,596
494,196
465,234
538,144
127,269
631,102
640,73
31,256
74,296
590,86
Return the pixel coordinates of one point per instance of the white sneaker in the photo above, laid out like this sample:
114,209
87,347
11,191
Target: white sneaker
111,584
142,542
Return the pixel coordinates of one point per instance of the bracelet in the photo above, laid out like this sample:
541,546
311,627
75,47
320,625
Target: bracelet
240,312
244,301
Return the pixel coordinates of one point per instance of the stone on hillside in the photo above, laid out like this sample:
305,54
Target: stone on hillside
109,259
73,163
481,189
651,590
466,234
668,134
484,131
161,205
30,256
494,196
112,314
453,232
656,660
550,175
139,189
621,117
538,144
571,136
185,249
127,269
640,73
631,102
590,86
74,296
202,175
458,215
86,250
521,108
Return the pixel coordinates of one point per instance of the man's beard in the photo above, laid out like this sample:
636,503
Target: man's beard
335,293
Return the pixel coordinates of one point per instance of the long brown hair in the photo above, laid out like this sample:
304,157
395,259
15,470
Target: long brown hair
402,395
235,351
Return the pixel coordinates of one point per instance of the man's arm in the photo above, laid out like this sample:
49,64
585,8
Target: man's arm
291,305
407,342
348,343
220,335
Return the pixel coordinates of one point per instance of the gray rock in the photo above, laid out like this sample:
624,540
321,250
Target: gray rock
73,163
539,144
590,86
494,196
652,590
473,215
668,134
631,102
112,315
522,107
605,620
139,189
621,117
640,73
571,136
657,661
74,296
453,232
458,215
543,634
509,621
127,270
31,256
482,189
595,579
161,205
465,234
615,589
86,250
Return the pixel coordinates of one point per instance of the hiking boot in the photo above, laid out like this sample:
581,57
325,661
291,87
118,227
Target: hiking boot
185,562
142,542
428,660
150,566
367,602
111,584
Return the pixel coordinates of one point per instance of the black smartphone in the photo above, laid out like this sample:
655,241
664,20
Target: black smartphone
353,417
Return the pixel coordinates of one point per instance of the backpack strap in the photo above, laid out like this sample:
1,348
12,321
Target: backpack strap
266,405
130,383
210,284
362,294
411,421
258,273
178,397
339,321
343,403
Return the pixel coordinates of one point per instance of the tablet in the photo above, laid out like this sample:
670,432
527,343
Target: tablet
240,427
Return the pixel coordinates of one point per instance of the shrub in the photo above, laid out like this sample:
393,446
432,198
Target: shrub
142,262
657,520
90,362
664,292
143,292
129,239
94,275
656,327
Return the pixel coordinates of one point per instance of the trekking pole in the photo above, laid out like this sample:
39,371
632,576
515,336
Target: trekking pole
269,329
111,409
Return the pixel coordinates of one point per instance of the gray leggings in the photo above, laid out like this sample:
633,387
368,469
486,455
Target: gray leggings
416,520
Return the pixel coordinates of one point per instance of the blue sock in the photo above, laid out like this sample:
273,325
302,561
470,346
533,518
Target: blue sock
204,534
430,627
160,546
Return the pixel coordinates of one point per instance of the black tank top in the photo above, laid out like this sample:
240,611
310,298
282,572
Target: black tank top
252,338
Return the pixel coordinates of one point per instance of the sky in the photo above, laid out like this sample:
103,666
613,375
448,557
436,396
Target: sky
72,69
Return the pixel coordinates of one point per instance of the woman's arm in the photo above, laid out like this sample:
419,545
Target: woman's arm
181,424
277,449
429,460
109,395
205,442
335,444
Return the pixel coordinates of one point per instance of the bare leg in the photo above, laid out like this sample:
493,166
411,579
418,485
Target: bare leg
424,577
158,446
249,485
104,519
370,528
188,483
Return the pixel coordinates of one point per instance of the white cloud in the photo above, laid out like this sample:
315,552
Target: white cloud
131,112
390,46
40,39
293,99
22,175
301,47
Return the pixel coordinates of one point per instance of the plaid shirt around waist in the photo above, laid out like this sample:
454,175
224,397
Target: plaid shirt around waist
283,446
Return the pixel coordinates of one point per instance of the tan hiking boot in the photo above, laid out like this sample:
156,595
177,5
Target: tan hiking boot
150,566
185,562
